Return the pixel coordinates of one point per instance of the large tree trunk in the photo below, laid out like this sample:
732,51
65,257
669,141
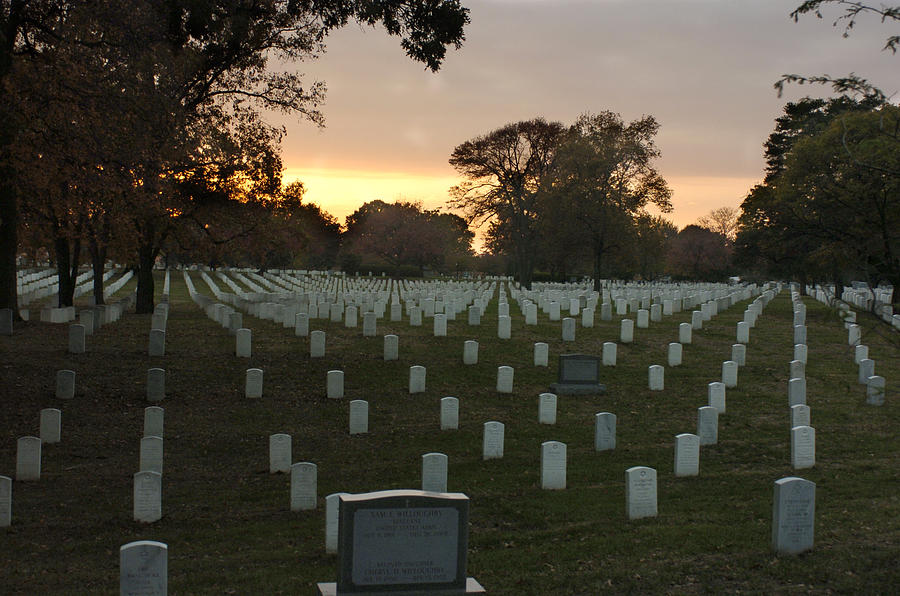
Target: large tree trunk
66,269
98,259
145,290
598,268
8,244
525,266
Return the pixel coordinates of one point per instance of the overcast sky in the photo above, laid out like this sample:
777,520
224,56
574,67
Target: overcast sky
703,68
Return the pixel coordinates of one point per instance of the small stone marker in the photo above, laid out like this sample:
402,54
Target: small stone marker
416,379
156,385
402,541
793,515
708,425
434,473
334,384
547,408
359,417
687,455
799,334
370,324
568,329
875,390
504,327
50,425
65,384
697,319
76,339
609,353
796,392
470,352
317,344
505,379
154,417
157,345
449,413
147,497
803,447
440,325
391,347
332,507
304,480
866,370
643,319
28,458
151,455
640,492
801,353
301,324
541,354
243,343
492,443
797,370
674,354
474,315
604,431
854,335
684,333
553,465
279,453
253,384
800,415
578,374
5,501
143,569
860,352
656,377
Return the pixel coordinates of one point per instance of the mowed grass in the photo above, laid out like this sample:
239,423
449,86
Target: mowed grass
228,523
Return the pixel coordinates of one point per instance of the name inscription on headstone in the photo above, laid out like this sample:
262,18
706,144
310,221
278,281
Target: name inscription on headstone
404,546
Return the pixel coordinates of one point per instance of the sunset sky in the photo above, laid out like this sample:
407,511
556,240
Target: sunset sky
703,68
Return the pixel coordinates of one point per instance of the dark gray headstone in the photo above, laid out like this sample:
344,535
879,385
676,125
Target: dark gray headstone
578,374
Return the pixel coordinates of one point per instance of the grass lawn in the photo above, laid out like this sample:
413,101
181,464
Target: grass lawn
228,523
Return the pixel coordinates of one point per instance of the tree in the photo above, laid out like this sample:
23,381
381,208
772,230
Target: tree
699,254
504,173
852,10
603,175
723,220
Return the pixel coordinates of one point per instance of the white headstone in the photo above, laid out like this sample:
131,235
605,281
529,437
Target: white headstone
440,325
587,318
332,510
417,379
626,331
253,385
151,455
793,515
334,381
729,374
280,453
143,569
860,353
434,472
656,377
687,455
359,417
157,346
640,492
854,335
799,334
50,425
568,329
474,315
743,332
609,353
391,347
76,339
156,385
604,431
796,391
547,408
505,379
301,324
697,319
449,413
504,327
553,465
801,353
153,421
28,458
243,342
684,333
866,370
797,370
875,390
65,384
470,352
304,483
317,344
492,442
800,415
674,355
739,354
716,396
147,497
803,447
708,425
541,354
